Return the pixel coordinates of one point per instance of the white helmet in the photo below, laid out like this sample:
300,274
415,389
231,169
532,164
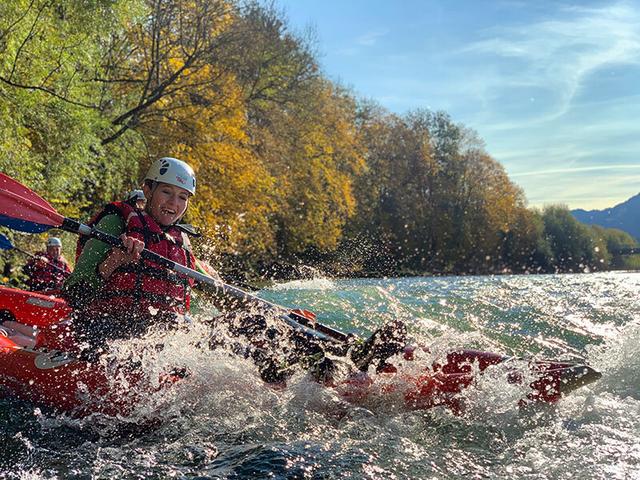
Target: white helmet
54,242
135,195
174,172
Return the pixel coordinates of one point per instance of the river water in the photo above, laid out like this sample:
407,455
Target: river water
223,422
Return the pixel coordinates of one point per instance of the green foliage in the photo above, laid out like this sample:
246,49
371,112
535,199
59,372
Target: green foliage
574,246
611,242
50,107
526,248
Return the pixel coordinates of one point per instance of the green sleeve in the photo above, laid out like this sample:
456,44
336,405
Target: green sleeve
85,276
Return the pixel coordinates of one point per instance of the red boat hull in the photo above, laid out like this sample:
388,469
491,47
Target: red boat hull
56,380
42,373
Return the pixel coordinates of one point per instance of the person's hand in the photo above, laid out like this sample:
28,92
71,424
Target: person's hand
208,269
132,249
41,261
122,256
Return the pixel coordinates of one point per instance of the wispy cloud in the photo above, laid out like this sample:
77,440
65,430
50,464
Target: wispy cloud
556,171
558,55
369,39
563,190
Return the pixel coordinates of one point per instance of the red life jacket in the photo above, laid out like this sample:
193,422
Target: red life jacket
145,284
46,275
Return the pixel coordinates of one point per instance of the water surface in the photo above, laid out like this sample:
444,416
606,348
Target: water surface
224,423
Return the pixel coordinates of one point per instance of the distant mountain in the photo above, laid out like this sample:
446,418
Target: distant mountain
625,216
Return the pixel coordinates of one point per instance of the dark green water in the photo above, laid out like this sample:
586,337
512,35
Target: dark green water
223,423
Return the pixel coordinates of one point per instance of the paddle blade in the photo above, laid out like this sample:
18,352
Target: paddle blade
24,210
5,243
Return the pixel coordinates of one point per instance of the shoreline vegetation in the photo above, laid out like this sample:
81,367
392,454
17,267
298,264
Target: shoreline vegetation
295,170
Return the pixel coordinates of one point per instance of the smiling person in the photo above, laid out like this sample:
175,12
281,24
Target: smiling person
116,293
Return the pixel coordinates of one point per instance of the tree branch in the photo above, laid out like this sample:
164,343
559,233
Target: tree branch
48,91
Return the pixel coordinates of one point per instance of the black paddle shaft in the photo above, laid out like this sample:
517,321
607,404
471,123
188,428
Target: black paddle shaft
244,298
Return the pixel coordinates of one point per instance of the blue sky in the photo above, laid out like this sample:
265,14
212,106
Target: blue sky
553,87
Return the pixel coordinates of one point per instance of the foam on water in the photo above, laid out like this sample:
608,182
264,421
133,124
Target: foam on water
309,284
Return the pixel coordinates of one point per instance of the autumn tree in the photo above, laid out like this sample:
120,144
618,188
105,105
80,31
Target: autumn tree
301,129
431,196
234,200
274,66
312,151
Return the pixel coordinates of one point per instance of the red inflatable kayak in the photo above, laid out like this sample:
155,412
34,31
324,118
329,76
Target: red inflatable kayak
36,364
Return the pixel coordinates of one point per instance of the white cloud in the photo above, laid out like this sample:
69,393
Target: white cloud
367,40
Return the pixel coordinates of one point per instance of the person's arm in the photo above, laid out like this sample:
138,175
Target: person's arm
66,267
27,268
85,280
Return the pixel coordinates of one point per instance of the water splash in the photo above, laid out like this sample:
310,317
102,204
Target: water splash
308,284
222,421
618,358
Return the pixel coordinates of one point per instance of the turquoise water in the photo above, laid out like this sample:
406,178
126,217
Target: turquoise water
224,423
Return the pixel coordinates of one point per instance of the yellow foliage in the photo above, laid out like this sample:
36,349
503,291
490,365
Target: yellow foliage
232,203
314,154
